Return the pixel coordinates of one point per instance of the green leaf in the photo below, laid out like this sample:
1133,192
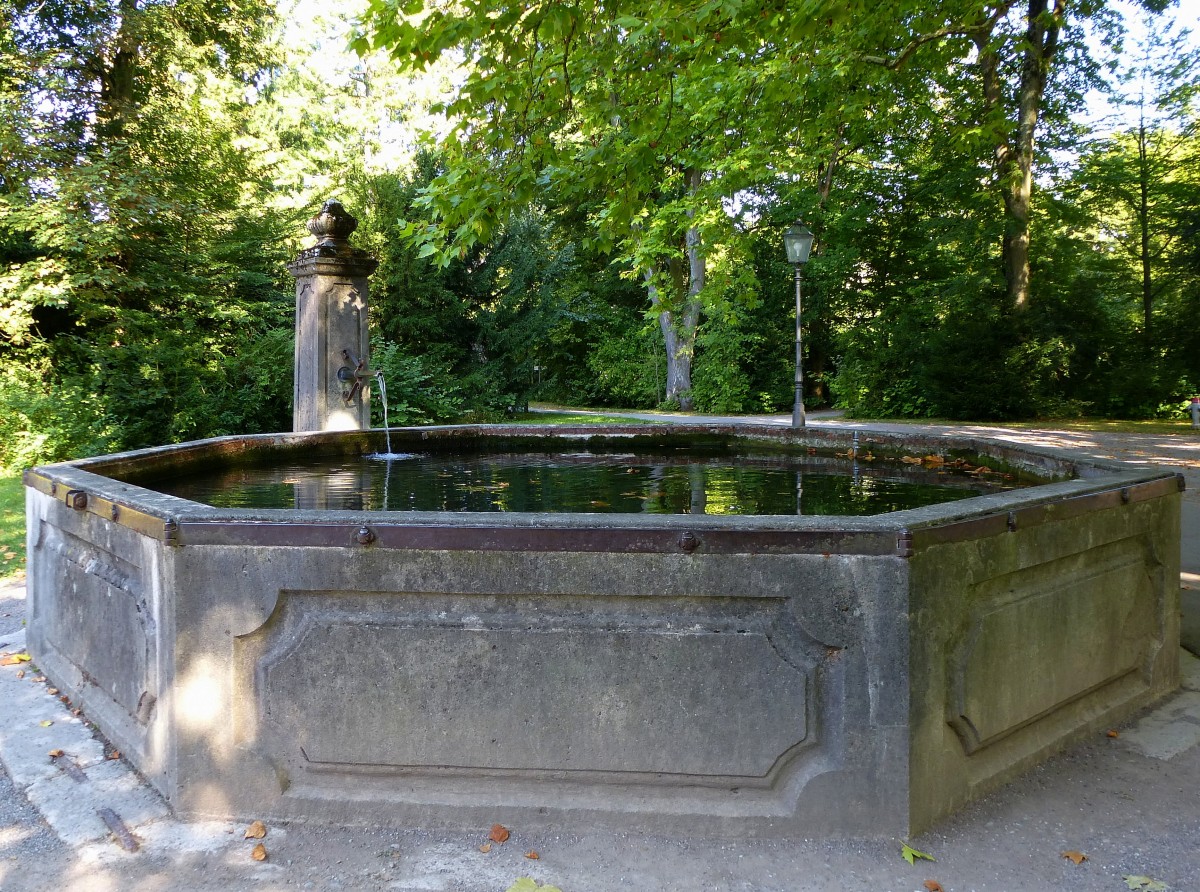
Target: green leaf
1138,882
909,854
528,884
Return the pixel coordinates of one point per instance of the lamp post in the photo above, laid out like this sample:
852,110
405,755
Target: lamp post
797,240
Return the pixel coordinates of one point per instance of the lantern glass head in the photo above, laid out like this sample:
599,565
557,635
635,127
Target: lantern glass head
797,240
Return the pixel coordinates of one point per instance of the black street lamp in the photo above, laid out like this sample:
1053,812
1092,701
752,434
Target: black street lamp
797,240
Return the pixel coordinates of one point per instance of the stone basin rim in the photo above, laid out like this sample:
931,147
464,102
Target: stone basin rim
1093,483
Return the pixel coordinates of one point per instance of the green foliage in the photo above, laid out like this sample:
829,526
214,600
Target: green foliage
416,393
12,525
43,419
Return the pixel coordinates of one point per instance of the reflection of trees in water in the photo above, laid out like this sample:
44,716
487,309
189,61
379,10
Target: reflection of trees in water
583,483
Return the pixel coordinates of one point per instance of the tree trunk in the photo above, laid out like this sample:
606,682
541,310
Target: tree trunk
679,327
1041,41
1143,217
1014,156
117,80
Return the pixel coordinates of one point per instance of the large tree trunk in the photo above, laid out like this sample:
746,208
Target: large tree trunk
118,74
1014,154
679,325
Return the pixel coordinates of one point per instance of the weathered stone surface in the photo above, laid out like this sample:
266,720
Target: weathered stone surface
794,675
331,317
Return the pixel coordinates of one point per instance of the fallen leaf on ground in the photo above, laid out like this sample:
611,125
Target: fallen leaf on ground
51,691
1113,732
259,853
499,833
934,886
54,754
485,848
116,754
1136,882
528,884
532,856
256,830
909,854
20,673
14,659
1075,857
46,723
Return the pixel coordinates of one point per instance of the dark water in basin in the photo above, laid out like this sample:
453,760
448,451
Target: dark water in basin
584,482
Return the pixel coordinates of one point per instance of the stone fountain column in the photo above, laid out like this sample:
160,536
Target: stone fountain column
331,326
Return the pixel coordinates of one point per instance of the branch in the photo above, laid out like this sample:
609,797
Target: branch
958,30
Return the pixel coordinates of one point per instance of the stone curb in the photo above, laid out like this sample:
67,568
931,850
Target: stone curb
71,790
1174,726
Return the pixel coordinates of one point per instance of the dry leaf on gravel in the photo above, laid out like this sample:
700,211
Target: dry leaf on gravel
256,830
54,754
934,886
532,856
499,833
1075,857
485,848
259,853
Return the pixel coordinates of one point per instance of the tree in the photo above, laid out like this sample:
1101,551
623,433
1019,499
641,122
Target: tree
139,273
641,116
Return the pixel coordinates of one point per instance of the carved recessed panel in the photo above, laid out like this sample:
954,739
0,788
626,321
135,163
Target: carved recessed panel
100,621
456,683
1049,635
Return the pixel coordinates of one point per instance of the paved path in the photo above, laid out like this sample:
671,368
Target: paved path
1128,802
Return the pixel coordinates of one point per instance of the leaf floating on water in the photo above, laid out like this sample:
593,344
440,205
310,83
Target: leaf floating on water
599,503
259,853
257,830
910,460
1075,857
909,854
499,833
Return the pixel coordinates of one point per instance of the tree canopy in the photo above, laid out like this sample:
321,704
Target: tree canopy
582,200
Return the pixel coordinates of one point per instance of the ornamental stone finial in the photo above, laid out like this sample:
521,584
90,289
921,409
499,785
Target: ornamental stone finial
332,225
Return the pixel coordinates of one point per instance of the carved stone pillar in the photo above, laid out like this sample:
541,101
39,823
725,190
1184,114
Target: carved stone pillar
331,326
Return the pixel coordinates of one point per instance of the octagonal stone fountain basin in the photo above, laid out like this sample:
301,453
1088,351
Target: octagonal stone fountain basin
698,675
